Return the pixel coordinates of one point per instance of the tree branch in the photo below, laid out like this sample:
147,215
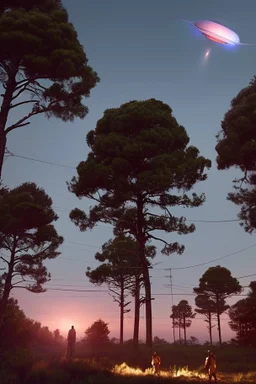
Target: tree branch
116,300
35,92
6,261
23,249
152,214
2,66
7,246
16,274
18,282
21,89
113,291
20,122
20,286
157,238
24,102
20,84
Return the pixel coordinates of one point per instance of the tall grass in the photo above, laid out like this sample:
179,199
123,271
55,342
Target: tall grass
235,365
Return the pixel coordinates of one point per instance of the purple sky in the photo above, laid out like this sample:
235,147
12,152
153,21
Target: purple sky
140,51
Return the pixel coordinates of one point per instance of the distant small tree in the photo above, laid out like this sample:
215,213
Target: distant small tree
97,334
186,316
240,321
57,336
193,341
114,340
243,318
12,332
121,271
117,271
218,284
207,308
176,320
158,341
27,239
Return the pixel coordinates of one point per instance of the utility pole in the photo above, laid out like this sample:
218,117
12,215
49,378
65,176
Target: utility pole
170,277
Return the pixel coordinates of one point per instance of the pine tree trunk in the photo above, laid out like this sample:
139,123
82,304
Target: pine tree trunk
218,319
210,327
2,151
185,331
136,310
141,252
240,334
7,286
148,304
121,339
4,112
173,331
179,328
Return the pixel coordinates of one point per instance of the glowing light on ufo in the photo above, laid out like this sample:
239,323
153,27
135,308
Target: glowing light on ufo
207,53
217,33
206,56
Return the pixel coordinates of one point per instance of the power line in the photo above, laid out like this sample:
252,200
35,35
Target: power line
186,267
242,277
86,245
72,167
41,161
219,258
189,220
106,291
187,294
78,290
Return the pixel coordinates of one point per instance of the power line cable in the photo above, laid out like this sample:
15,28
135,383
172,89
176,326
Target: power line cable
72,167
41,161
219,258
189,220
242,277
106,291
186,267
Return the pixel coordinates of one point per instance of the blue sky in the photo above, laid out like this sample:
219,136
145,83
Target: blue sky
140,51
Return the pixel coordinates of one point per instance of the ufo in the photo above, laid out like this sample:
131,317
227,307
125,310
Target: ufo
217,32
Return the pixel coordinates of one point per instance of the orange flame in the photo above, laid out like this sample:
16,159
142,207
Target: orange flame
124,370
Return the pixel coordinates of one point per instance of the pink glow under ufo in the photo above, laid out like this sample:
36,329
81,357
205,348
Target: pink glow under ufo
217,32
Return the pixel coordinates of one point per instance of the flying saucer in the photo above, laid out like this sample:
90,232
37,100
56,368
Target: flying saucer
217,32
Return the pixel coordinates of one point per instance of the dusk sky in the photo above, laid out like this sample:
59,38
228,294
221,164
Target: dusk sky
140,51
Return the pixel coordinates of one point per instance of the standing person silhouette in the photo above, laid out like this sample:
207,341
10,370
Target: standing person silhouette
71,342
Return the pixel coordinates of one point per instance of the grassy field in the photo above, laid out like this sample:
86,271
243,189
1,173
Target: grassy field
126,365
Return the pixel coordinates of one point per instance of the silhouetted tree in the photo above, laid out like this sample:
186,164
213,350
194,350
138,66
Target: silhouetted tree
43,66
120,270
18,331
243,318
116,272
57,336
218,284
176,320
185,316
97,334
207,308
193,340
27,238
236,148
139,159
158,341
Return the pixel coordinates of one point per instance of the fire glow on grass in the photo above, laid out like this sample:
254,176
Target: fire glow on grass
125,370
